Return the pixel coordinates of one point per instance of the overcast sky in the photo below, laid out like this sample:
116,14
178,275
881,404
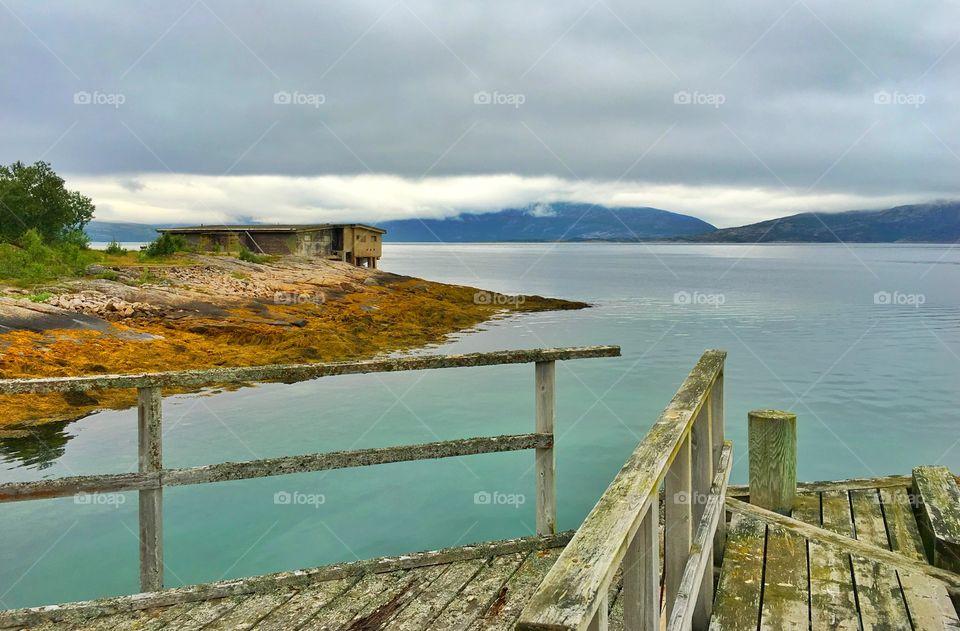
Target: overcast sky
209,110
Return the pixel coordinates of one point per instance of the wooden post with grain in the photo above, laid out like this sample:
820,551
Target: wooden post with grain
546,375
151,500
772,438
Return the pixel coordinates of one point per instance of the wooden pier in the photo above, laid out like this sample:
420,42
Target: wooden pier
669,545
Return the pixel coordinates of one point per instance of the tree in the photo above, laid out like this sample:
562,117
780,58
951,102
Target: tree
33,197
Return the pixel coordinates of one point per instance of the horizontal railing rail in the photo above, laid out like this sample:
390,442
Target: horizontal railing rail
151,477
289,373
684,451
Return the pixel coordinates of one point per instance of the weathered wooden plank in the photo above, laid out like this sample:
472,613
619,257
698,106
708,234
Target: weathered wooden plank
145,620
546,491
689,610
853,546
901,523
256,584
287,465
150,461
737,606
378,611
503,613
204,613
702,464
357,458
479,594
677,524
740,491
785,587
250,611
928,602
372,588
435,598
938,498
639,600
601,617
305,604
715,406
78,485
570,593
833,605
292,373
878,587
835,509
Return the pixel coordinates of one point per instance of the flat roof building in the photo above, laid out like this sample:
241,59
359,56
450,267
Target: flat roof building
359,244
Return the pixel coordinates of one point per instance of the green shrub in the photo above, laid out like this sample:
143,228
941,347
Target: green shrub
114,247
250,257
166,245
31,261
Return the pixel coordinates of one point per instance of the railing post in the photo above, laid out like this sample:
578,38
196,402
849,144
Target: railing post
546,377
641,574
601,619
151,500
715,403
702,463
678,522
772,438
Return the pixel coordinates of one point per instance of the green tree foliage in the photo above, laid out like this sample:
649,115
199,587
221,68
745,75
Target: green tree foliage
33,197
165,245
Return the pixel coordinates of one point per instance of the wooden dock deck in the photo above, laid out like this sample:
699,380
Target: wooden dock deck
878,553
782,575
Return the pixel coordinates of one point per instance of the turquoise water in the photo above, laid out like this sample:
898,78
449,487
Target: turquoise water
875,387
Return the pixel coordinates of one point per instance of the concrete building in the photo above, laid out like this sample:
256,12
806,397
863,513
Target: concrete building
354,243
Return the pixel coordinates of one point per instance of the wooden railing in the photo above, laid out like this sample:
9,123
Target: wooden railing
152,477
685,452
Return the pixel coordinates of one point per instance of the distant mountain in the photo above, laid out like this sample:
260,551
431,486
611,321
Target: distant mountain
937,222
121,231
549,222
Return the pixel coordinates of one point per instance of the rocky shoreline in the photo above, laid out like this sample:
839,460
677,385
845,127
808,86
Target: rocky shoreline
209,311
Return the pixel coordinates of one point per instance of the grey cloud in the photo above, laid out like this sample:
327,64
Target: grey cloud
398,80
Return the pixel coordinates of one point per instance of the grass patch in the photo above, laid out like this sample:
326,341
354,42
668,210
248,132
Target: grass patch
43,296
249,257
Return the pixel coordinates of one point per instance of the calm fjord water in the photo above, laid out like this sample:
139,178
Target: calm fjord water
863,342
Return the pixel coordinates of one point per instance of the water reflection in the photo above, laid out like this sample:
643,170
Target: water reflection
34,447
